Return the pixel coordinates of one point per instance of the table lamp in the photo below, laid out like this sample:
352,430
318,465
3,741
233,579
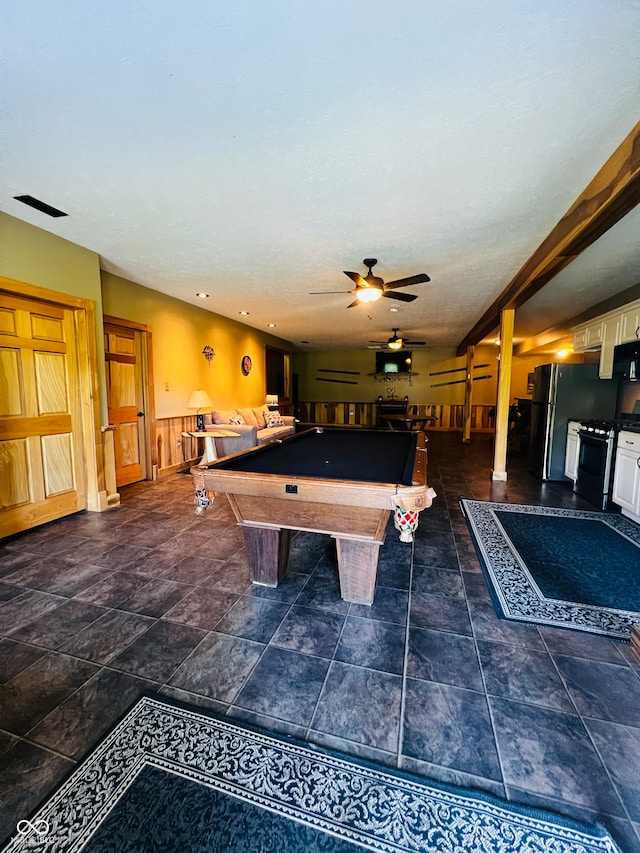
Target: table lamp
272,401
199,400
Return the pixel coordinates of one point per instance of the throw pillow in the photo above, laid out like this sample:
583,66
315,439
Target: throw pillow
223,416
259,415
237,420
273,419
249,417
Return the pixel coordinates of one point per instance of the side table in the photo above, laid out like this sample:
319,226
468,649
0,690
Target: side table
210,454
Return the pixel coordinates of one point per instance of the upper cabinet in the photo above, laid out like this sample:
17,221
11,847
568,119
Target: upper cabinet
630,323
606,332
587,337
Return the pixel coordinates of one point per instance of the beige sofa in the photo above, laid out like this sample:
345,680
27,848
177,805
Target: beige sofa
255,426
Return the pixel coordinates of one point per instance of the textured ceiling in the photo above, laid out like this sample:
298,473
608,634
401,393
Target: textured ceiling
255,149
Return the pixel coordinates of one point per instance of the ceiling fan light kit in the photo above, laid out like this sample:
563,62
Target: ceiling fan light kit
396,342
368,294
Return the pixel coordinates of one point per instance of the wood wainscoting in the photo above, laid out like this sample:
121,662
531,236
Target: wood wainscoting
174,452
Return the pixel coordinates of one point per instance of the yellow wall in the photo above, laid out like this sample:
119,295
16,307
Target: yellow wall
31,255
434,369
180,332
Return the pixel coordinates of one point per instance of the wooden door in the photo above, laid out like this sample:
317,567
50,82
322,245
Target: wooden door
125,400
41,439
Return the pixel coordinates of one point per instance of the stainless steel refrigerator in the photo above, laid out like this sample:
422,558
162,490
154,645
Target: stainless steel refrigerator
563,393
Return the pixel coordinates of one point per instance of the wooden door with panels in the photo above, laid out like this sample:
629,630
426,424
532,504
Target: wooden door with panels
42,473
124,356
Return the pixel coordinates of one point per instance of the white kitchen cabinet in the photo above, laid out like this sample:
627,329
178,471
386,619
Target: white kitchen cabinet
606,332
610,331
571,452
601,334
588,337
626,478
580,339
630,324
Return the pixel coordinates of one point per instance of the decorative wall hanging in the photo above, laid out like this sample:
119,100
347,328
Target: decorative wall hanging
208,353
340,381
457,370
393,377
460,381
245,365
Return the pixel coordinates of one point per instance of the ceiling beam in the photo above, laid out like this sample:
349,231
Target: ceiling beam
613,192
552,338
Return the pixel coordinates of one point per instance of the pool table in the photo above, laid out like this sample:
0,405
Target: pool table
338,481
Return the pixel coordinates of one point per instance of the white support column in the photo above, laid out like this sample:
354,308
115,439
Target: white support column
504,395
468,396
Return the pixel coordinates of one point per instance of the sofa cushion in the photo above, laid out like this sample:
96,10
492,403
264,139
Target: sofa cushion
259,414
249,418
223,416
237,420
273,419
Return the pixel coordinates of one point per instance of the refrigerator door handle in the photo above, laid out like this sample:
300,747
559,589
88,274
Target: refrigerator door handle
548,436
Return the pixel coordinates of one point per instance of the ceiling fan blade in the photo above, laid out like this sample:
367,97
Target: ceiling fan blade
354,276
354,303
416,343
321,292
405,282
403,297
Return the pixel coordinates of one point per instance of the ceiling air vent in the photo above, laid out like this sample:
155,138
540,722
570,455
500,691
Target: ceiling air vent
42,206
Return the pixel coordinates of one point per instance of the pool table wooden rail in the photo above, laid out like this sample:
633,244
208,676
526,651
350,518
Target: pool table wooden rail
341,492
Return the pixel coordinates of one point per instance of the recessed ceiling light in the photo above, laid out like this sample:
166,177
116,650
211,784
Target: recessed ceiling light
271,325
243,313
203,295
393,309
42,206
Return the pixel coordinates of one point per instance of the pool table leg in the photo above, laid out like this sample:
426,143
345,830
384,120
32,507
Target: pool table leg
267,553
358,569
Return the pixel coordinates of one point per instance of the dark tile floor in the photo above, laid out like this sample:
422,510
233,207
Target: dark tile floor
97,608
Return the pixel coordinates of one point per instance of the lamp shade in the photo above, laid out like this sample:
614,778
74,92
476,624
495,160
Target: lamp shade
199,400
272,400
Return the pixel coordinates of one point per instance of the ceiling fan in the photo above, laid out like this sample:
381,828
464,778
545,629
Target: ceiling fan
396,342
371,287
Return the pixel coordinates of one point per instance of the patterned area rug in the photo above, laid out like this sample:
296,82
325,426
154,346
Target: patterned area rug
173,779
560,567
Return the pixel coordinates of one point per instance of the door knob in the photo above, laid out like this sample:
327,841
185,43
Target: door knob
140,414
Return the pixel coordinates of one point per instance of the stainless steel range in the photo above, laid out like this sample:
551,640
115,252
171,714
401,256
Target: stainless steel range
596,457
